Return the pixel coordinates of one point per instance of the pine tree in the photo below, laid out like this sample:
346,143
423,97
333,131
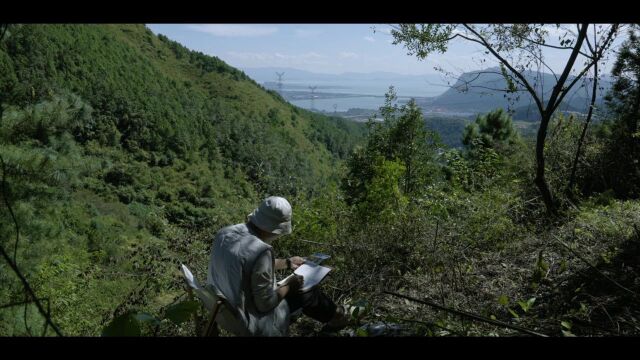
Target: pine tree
494,130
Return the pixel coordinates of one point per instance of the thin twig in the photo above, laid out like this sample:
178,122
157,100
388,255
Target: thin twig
15,304
27,287
4,28
46,324
591,325
319,243
595,268
435,237
469,315
26,324
6,202
615,323
429,323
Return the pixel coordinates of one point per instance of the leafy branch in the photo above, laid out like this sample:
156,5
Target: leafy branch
12,263
30,296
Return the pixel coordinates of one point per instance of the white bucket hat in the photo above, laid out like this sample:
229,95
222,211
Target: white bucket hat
273,215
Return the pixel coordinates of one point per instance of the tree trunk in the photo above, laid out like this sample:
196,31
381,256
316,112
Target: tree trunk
540,180
555,99
572,178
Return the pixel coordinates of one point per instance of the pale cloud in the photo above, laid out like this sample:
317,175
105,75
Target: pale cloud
277,59
235,30
313,55
304,33
348,55
370,39
250,55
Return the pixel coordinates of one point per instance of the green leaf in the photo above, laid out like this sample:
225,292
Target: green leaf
568,333
527,305
362,332
515,315
180,312
123,325
503,300
566,324
523,306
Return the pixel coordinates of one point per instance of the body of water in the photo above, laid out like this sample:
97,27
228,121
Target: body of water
365,102
371,92
341,103
415,88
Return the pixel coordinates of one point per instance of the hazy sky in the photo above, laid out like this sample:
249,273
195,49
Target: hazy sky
324,48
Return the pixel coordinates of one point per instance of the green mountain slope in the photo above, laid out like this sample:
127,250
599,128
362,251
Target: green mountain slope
117,144
162,98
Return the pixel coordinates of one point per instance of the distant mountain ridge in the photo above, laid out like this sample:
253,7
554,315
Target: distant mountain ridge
480,91
476,91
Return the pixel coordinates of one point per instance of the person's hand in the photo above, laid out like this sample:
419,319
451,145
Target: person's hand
296,261
295,283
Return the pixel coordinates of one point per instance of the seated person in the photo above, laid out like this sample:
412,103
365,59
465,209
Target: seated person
242,267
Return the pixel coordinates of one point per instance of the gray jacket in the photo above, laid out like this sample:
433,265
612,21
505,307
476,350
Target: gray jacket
242,268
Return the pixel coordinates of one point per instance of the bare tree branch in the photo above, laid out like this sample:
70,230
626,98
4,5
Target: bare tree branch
3,30
547,45
591,48
19,303
27,287
26,323
559,91
497,89
594,267
597,55
596,58
540,59
6,201
466,314
467,83
488,46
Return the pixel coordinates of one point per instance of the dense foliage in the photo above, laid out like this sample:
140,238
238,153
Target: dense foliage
115,143
494,130
124,152
623,145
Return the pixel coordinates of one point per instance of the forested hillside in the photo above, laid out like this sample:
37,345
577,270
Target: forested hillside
115,142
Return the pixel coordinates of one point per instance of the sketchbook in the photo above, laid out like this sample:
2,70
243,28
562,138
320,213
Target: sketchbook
312,274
